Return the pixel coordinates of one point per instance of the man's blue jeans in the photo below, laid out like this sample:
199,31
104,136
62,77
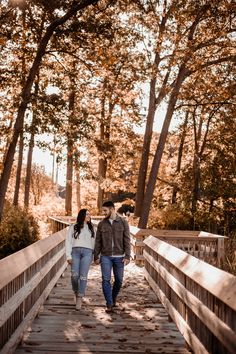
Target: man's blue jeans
81,260
107,264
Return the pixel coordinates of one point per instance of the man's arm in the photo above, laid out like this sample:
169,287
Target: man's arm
126,240
98,244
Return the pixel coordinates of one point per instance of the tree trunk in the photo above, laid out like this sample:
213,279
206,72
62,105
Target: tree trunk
180,154
78,184
78,189
29,166
69,168
26,93
153,103
21,142
142,175
160,148
69,177
31,146
19,168
53,166
105,139
196,167
102,169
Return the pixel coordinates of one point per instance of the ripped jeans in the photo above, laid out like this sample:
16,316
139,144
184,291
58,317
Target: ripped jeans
81,260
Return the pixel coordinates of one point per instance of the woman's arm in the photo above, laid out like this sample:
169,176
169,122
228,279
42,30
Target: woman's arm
69,236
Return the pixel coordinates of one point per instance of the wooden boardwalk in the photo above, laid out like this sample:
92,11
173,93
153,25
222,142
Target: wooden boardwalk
140,324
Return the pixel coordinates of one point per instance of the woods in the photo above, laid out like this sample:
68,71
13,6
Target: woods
95,78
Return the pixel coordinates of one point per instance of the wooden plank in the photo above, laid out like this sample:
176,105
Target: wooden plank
7,309
135,327
216,326
180,233
15,264
11,345
88,351
186,239
202,273
189,336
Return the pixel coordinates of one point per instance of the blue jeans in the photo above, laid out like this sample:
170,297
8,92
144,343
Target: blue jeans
81,260
107,264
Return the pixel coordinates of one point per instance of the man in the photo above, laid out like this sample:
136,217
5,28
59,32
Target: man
112,244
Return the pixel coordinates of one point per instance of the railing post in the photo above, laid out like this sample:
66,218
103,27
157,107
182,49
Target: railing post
220,251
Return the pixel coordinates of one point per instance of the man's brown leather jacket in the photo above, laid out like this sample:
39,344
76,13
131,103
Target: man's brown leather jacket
112,240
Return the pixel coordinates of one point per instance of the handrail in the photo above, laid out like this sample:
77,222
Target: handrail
27,278
199,298
203,245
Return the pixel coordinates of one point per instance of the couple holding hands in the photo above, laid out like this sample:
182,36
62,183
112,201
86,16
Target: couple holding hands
110,247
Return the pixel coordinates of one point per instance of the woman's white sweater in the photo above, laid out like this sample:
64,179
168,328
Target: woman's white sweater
84,239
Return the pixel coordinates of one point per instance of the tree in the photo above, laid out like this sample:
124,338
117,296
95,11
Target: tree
199,35
26,92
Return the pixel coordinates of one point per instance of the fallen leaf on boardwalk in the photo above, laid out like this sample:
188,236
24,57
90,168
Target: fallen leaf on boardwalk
146,318
29,342
121,347
122,340
120,329
88,325
35,330
149,329
106,337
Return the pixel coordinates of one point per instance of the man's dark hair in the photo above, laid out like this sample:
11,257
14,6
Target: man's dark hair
108,204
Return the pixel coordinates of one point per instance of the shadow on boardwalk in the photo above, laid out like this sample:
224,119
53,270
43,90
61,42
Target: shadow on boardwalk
139,325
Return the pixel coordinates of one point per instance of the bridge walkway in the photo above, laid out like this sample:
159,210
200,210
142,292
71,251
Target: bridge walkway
139,325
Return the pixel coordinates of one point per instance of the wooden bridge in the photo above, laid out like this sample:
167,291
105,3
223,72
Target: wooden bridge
40,318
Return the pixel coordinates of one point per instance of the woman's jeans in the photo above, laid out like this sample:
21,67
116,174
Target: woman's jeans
107,264
81,260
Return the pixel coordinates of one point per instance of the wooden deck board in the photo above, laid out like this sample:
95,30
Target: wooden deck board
139,325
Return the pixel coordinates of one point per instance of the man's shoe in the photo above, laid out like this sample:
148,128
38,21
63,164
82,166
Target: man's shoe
109,309
78,303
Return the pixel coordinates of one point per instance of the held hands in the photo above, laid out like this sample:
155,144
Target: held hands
126,261
97,261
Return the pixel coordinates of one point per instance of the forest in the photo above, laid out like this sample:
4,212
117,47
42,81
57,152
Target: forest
87,80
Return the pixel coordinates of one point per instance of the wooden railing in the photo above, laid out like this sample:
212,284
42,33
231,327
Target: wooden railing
203,245
58,223
200,298
26,280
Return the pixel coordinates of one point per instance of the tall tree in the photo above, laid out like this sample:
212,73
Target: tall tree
31,145
195,43
26,92
180,154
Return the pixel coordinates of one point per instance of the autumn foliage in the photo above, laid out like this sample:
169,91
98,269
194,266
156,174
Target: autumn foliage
80,78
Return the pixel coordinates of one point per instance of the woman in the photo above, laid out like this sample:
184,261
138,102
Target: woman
80,241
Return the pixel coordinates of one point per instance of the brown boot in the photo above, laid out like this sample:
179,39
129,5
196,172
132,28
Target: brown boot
109,309
78,303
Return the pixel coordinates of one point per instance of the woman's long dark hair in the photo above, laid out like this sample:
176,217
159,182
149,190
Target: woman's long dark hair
80,223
